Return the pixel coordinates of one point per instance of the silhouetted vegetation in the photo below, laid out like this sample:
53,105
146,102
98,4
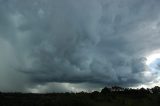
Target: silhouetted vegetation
115,96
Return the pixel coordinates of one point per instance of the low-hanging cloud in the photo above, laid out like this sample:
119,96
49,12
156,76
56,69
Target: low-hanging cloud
77,41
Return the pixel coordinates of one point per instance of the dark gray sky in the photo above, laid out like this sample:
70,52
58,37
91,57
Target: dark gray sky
74,45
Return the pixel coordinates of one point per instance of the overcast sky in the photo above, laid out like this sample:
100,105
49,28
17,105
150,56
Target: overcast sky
74,45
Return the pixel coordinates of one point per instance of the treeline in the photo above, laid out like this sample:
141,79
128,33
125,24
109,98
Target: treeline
114,96
117,89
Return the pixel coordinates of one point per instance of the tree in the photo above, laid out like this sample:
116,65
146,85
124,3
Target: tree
156,90
106,90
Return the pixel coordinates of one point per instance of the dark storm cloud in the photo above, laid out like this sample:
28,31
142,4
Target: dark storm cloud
77,41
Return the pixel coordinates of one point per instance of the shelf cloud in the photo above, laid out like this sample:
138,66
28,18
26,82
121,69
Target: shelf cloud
99,42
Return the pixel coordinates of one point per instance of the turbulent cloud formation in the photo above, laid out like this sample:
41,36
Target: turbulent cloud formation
102,42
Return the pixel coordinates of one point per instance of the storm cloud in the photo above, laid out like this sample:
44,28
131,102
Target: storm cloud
103,42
